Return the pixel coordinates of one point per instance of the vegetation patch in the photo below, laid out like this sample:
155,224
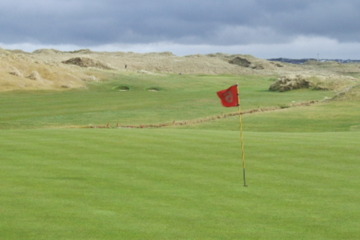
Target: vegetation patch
34,75
243,62
287,83
86,62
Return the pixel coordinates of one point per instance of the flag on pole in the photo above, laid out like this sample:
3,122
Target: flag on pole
229,97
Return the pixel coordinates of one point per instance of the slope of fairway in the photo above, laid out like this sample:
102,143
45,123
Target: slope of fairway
332,116
141,99
177,184
339,114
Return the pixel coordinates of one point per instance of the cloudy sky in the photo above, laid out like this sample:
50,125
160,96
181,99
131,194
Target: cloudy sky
263,28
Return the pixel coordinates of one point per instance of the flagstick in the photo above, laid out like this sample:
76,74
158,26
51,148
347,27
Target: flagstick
241,139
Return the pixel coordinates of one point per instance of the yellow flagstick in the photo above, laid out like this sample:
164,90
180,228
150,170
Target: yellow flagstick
241,138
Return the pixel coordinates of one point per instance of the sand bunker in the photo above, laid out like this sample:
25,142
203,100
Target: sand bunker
122,88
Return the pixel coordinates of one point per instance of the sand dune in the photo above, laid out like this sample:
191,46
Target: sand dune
53,69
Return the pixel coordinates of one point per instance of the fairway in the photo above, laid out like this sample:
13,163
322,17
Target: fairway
62,180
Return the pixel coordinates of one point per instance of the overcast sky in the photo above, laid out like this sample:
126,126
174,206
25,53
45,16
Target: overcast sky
263,28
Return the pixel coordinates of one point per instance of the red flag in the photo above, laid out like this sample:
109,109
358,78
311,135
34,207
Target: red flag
229,97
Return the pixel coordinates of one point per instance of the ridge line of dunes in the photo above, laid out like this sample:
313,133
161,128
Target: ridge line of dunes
50,69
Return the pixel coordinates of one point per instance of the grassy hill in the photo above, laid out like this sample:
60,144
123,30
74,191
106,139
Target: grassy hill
146,100
62,179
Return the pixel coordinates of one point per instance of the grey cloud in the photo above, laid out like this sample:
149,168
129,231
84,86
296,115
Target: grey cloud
219,22
334,19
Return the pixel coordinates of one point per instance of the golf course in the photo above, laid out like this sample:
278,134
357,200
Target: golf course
155,155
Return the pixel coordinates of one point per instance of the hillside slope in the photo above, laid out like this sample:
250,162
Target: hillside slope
52,69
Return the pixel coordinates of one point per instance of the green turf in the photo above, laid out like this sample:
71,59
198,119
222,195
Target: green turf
178,182
181,97
321,117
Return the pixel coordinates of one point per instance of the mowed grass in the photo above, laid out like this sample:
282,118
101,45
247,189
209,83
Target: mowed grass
182,182
334,116
180,97
177,184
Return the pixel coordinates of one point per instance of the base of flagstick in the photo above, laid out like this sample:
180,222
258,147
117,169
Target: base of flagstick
244,176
